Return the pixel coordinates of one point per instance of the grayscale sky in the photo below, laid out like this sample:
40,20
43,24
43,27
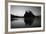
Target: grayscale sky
20,10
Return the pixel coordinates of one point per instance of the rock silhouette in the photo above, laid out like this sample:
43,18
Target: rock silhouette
28,18
14,16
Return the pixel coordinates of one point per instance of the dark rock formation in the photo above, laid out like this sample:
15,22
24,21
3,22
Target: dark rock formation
28,14
14,16
28,18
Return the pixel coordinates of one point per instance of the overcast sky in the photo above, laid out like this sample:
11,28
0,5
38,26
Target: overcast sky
20,10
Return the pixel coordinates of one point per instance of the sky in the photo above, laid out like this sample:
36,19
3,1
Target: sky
20,10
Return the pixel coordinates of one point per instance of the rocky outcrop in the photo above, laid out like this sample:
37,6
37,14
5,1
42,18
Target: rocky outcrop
28,18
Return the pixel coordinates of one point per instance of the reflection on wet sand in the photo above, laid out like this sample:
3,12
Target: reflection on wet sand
26,22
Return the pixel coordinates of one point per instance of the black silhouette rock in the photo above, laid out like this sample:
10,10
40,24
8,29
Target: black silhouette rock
28,18
14,16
